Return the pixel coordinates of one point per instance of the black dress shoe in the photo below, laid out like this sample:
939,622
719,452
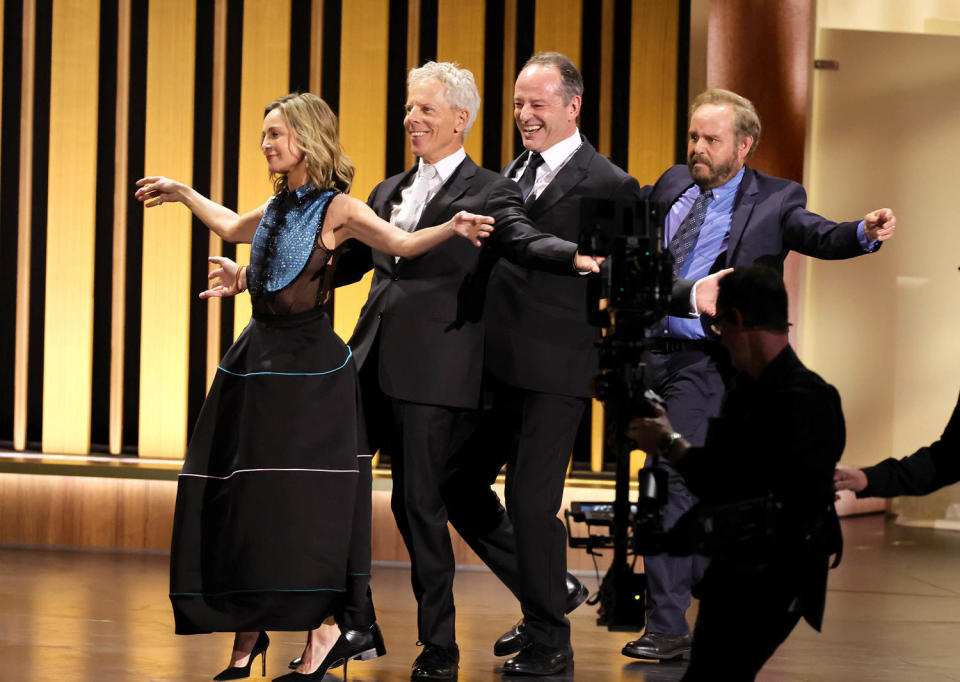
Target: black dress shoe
352,644
512,640
536,659
660,647
436,663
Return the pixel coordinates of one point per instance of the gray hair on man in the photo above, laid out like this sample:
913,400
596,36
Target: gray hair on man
570,78
458,84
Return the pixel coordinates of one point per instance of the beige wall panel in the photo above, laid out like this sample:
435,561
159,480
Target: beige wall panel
881,328
653,87
71,226
460,37
168,150
363,121
915,16
266,65
558,27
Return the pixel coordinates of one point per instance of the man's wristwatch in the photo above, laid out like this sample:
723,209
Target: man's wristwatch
667,442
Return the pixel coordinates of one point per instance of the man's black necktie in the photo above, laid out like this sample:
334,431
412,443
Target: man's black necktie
529,176
681,246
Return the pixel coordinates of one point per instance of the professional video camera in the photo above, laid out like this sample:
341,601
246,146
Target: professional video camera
633,292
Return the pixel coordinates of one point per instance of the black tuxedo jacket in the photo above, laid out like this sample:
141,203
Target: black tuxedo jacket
538,336
769,220
428,311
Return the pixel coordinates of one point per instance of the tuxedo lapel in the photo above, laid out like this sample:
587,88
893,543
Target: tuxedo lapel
742,209
511,168
565,180
452,189
390,192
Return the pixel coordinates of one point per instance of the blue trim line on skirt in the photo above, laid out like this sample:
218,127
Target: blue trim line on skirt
291,374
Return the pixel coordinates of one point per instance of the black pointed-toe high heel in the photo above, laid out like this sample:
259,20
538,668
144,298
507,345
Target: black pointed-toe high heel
240,672
352,644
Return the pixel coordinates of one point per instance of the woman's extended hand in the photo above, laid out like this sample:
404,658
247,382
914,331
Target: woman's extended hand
156,189
232,278
472,227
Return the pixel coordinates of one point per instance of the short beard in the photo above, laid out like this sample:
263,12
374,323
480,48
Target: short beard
715,176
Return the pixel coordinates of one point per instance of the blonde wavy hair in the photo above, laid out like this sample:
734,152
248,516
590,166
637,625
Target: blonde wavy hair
316,133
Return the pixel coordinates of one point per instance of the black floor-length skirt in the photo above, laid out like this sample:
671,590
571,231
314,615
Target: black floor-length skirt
264,533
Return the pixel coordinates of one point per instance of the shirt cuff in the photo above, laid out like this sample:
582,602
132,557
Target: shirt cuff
694,313
867,246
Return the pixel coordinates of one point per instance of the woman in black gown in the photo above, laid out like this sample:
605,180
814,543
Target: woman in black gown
272,522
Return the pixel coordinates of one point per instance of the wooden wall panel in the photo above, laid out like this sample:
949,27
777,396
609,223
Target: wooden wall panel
653,88
460,39
363,121
266,65
558,28
168,150
71,226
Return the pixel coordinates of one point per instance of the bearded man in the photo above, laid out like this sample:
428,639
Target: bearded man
722,214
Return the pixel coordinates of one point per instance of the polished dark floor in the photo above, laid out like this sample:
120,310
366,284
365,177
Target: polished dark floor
893,613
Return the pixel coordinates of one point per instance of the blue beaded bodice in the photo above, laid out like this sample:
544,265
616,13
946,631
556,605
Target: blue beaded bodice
286,237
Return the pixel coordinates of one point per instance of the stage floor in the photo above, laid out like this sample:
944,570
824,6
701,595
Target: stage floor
893,613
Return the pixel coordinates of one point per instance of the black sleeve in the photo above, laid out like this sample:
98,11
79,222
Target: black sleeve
516,239
927,469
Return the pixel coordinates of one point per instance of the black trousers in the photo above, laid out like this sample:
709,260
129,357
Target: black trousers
533,434
744,616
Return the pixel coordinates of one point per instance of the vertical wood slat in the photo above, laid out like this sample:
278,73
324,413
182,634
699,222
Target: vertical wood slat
606,78
168,150
509,66
71,226
653,86
217,132
25,220
460,39
266,53
559,24
316,47
363,121
121,193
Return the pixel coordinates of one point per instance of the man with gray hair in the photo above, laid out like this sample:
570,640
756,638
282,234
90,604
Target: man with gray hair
721,214
419,341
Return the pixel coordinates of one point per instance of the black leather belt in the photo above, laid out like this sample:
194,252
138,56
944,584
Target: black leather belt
665,345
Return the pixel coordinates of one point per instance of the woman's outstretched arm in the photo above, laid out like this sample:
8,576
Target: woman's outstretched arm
230,226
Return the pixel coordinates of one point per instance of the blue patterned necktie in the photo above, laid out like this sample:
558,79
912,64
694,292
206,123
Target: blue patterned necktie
681,246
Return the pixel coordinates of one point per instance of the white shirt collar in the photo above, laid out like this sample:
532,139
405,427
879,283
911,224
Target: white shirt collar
556,156
447,165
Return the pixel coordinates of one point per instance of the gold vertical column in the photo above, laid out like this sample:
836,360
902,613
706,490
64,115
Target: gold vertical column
121,194
71,226
266,63
217,132
316,47
509,76
558,27
168,150
653,88
363,121
24,224
460,39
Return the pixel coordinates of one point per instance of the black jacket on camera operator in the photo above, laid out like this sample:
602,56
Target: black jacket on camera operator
780,433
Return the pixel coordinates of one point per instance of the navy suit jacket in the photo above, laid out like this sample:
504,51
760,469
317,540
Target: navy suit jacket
770,219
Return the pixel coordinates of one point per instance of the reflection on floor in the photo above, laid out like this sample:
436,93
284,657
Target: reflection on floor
893,613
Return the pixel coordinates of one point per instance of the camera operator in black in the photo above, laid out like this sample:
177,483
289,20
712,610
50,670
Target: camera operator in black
780,433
